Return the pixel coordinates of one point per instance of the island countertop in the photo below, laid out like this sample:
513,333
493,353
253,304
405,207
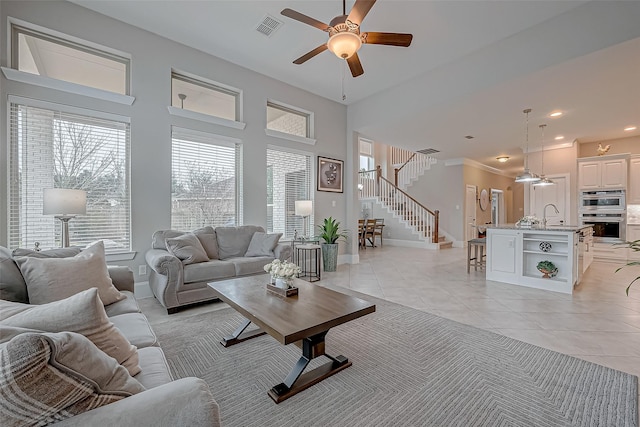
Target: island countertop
565,228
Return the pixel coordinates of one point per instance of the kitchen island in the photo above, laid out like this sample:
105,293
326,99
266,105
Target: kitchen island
513,255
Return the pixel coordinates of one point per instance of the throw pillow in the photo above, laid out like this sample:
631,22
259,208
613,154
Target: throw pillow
187,248
53,279
234,241
48,253
12,286
49,377
263,244
209,241
82,313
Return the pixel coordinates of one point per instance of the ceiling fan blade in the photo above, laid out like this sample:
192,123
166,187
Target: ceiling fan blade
307,56
355,66
360,10
290,13
390,39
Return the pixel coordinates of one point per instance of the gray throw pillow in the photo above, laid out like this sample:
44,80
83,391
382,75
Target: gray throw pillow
209,241
53,279
234,241
187,248
82,313
263,244
12,286
51,376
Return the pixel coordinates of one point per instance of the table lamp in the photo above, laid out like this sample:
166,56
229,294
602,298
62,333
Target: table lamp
64,204
304,208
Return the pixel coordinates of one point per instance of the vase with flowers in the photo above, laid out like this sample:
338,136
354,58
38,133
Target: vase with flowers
282,273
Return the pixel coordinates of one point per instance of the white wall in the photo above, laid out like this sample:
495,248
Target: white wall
153,57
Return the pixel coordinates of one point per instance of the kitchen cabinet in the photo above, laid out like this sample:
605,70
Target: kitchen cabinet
610,173
633,195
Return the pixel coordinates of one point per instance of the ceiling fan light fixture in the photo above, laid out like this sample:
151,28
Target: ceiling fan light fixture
344,44
502,159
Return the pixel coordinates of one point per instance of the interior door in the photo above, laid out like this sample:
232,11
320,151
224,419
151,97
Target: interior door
470,207
556,194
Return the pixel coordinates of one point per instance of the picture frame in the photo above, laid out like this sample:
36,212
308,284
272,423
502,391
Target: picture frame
330,175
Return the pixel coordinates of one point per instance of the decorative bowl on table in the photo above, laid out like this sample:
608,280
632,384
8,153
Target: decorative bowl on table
548,269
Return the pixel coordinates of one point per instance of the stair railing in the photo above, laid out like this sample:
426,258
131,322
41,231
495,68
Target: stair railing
396,171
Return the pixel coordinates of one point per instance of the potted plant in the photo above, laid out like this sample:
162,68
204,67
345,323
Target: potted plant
547,268
330,232
634,246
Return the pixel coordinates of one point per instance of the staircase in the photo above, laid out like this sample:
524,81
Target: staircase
416,217
409,166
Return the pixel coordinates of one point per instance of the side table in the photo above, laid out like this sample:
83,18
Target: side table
308,259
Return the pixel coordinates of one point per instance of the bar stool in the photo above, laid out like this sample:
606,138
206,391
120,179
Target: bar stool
478,253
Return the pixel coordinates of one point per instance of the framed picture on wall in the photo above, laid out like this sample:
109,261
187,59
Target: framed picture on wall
330,174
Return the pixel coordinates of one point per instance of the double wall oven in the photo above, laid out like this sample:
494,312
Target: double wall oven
606,212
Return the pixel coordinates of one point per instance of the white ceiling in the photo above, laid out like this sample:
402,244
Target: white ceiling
452,81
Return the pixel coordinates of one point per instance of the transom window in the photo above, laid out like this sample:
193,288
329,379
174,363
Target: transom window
205,181
289,178
64,59
206,97
287,119
50,148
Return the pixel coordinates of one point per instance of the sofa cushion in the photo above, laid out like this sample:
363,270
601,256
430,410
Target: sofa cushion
250,265
136,329
159,238
12,286
210,270
209,241
53,279
49,377
187,248
155,370
262,244
234,241
127,305
82,313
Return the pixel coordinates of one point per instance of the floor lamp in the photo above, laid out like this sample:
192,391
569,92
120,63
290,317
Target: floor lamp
64,204
304,208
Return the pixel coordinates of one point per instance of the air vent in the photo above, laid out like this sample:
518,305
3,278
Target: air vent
268,26
469,136
428,151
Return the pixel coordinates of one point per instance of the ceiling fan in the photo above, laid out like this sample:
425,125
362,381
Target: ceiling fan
345,37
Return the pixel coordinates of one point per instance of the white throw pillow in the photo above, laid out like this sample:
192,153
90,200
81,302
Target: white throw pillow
53,279
263,244
82,313
187,248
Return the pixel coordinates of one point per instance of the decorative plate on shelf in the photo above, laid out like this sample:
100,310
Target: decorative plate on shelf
545,246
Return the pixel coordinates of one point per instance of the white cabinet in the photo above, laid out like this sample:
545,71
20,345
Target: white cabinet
602,174
633,195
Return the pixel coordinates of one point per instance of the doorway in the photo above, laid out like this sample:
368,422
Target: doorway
498,214
470,207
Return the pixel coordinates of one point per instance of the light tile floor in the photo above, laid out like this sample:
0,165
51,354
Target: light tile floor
598,323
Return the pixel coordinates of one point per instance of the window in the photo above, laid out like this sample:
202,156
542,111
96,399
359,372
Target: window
198,95
289,177
205,180
288,120
50,148
60,58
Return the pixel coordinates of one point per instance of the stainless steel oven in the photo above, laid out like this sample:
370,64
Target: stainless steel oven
607,227
603,200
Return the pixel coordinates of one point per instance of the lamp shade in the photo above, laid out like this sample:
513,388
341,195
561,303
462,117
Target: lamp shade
64,201
304,207
344,44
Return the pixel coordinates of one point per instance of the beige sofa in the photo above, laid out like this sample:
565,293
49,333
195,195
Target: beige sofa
186,401
179,282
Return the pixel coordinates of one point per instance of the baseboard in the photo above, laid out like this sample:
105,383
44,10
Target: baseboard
142,290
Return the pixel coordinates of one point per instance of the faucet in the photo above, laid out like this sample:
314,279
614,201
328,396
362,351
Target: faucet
544,213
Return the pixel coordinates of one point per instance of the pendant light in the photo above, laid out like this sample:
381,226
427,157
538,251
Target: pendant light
526,175
544,181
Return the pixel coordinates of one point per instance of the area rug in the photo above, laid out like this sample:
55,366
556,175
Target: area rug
410,368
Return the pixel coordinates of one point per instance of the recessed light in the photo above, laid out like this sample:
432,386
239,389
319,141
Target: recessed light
502,159
555,114
630,128
559,137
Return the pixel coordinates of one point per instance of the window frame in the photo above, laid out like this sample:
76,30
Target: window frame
310,116
17,27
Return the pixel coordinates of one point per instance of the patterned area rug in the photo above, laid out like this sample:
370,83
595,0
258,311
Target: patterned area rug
410,368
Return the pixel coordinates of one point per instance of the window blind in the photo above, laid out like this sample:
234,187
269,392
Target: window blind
288,179
56,149
206,181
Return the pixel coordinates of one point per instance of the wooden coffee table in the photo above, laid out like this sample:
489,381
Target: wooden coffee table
303,319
